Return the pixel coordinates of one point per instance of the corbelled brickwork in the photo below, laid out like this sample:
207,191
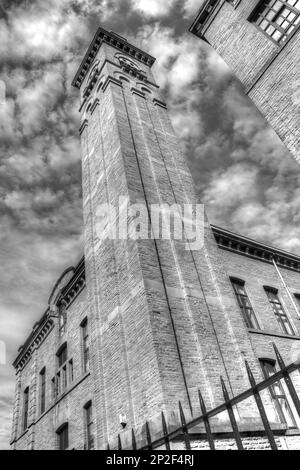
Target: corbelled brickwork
163,320
268,71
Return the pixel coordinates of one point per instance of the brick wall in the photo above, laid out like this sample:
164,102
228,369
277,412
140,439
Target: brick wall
41,432
247,51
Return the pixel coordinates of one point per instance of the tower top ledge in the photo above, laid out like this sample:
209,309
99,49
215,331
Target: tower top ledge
113,39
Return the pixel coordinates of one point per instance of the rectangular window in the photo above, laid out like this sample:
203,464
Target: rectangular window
26,408
279,312
71,371
64,375
278,395
62,356
43,390
63,437
85,346
277,18
54,389
89,426
244,304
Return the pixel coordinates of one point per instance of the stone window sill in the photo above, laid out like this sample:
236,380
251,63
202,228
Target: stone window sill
273,333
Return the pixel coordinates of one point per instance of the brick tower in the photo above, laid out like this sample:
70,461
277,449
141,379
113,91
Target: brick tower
164,320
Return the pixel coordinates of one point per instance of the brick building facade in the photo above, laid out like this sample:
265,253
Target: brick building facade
260,42
140,323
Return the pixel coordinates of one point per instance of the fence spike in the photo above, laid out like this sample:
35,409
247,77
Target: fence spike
231,415
165,431
108,447
133,440
149,440
184,428
287,379
261,408
206,422
119,442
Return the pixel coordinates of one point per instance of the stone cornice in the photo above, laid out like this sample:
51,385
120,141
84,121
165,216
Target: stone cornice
225,239
251,248
103,36
204,14
42,328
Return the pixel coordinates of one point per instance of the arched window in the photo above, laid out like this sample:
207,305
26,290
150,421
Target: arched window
94,70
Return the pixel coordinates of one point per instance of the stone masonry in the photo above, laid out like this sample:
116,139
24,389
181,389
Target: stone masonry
163,320
268,71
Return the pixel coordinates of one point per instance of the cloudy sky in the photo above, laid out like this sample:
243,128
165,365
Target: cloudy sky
244,174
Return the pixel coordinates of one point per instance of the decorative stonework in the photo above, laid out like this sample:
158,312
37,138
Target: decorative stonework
67,295
226,240
253,249
119,43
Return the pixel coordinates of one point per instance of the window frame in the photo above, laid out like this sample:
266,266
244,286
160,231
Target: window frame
248,319
43,390
63,436
275,396
276,306
65,372
25,408
89,425
85,345
62,319
284,32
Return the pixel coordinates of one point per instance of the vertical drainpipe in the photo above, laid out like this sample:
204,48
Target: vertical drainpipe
287,289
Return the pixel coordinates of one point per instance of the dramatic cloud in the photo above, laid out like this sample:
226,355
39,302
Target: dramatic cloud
242,171
153,8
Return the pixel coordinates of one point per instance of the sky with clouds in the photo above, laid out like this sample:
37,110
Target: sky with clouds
243,173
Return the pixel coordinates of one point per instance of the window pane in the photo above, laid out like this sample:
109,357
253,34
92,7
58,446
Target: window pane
245,305
43,390
279,312
26,407
63,436
278,395
275,17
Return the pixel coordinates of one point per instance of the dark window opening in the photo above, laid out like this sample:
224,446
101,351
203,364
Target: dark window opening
279,311
244,303
62,315
278,395
63,437
85,346
43,390
89,422
26,408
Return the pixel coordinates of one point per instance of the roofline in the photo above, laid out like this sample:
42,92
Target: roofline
265,252
109,37
37,328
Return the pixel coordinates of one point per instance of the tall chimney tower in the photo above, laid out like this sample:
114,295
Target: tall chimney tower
164,318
